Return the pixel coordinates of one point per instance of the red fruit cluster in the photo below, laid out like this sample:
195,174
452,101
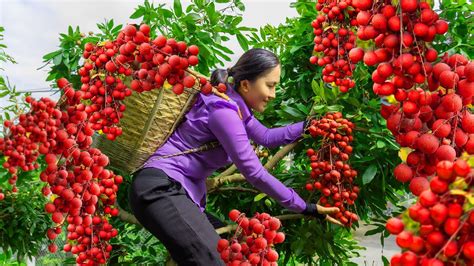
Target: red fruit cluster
334,39
85,191
331,174
437,125
401,35
253,242
132,62
443,220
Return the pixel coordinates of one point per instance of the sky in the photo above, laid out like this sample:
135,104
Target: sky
32,30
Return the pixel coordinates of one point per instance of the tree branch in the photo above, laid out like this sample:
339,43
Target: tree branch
280,154
241,189
213,183
228,171
126,216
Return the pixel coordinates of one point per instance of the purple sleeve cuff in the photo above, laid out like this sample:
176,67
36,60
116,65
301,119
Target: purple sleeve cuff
229,130
273,137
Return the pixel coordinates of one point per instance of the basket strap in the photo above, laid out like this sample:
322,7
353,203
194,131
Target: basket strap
204,147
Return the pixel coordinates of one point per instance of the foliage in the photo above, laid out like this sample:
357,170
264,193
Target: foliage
6,90
460,36
4,57
202,24
23,221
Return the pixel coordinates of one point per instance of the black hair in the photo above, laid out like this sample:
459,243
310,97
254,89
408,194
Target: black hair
251,65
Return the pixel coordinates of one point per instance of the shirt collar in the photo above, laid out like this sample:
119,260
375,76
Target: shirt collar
235,96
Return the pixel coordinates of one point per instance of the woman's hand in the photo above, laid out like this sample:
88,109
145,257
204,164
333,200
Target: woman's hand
321,212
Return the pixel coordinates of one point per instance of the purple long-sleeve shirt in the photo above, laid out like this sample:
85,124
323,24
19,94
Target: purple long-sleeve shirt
214,118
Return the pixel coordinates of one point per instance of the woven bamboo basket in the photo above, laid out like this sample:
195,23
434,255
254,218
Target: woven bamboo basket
148,120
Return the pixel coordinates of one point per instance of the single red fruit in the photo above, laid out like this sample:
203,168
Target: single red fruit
445,169
427,143
468,250
451,249
403,173
461,168
409,5
356,54
428,198
394,226
418,185
189,81
451,225
439,212
130,30
62,83
52,248
370,58
404,239
441,27
234,214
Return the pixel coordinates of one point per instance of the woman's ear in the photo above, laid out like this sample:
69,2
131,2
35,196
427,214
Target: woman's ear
244,86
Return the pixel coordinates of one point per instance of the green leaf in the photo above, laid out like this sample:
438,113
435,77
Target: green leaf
51,55
5,93
178,9
225,57
212,14
295,48
268,202
110,25
239,5
223,48
242,41
293,111
259,197
138,13
189,8
193,17
152,251
369,174
57,59
374,231
380,144
317,89
166,13
236,21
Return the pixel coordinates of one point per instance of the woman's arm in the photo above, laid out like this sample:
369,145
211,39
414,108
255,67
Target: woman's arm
226,125
273,137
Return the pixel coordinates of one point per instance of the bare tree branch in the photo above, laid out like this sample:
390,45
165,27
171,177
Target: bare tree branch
126,216
228,171
213,183
241,189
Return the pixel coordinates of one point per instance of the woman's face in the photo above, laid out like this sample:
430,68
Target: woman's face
258,93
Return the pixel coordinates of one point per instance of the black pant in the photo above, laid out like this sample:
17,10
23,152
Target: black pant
164,208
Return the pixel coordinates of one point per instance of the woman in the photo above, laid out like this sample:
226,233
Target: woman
168,194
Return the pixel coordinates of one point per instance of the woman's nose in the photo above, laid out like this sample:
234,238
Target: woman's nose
272,94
